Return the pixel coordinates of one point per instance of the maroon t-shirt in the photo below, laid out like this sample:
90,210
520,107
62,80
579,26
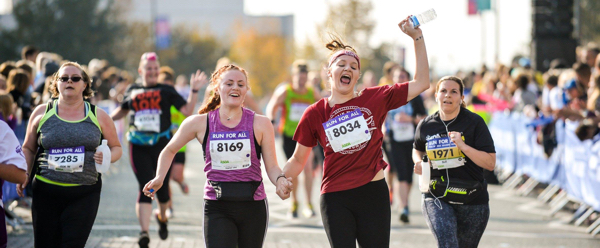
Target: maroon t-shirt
357,165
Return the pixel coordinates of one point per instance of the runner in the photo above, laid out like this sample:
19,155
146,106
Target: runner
459,146
167,76
60,149
149,105
400,132
12,168
355,204
293,99
233,139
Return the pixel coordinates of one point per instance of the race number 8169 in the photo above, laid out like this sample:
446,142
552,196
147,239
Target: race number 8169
232,147
343,129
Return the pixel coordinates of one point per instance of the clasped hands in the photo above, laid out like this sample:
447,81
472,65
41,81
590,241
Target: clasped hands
283,187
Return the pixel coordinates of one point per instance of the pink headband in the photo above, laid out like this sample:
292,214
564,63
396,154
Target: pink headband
150,56
343,52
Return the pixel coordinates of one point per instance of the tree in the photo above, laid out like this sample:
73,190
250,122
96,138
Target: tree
77,30
266,57
352,21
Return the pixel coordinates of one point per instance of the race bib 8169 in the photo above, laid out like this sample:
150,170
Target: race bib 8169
230,150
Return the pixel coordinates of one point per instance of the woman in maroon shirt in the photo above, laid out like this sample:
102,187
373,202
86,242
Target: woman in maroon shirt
355,203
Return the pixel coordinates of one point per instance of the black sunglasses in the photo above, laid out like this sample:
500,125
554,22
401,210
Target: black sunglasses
73,79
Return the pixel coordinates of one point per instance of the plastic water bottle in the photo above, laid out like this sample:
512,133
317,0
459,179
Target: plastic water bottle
425,176
105,157
423,18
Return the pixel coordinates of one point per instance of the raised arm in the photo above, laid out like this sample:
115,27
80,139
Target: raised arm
197,81
421,80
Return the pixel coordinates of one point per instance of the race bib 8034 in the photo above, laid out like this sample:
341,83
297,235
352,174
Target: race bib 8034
347,130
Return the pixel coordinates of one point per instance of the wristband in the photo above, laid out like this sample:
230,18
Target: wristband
195,91
280,176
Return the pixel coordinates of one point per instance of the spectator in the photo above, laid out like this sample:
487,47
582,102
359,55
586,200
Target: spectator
2,84
7,110
388,68
583,72
522,96
182,86
368,80
589,53
29,53
593,101
6,67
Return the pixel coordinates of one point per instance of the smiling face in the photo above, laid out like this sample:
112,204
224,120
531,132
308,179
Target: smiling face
149,70
449,96
233,87
70,88
343,74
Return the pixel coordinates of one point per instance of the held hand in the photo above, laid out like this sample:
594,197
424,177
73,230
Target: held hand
407,28
151,187
456,138
418,169
98,158
284,187
21,187
198,80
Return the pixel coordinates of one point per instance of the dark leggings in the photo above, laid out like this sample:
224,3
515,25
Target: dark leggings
455,225
63,216
144,160
361,214
231,224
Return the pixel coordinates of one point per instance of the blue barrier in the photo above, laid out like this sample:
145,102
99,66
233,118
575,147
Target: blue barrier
574,164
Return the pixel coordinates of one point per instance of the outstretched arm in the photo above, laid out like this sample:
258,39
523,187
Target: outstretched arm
421,80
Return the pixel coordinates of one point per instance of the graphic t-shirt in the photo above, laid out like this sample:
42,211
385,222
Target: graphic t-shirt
151,107
431,137
354,165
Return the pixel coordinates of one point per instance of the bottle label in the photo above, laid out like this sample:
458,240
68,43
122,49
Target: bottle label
415,21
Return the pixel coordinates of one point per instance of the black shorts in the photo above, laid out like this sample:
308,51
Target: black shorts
400,159
289,145
179,158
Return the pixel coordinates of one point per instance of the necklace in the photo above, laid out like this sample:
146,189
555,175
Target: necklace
229,117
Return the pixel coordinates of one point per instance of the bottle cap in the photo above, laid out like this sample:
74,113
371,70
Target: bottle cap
425,159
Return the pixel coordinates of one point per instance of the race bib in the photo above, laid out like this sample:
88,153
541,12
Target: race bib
403,131
444,154
69,159
147,120
347,130
230,150
297,110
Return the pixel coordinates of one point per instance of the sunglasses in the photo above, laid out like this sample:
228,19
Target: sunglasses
74,79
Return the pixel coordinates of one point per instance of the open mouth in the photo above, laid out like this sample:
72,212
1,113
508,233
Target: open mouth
345,79
234,95
447,102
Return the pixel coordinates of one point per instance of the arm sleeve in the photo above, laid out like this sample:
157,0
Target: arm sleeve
10,148
419,143
483,138
305,133
394,95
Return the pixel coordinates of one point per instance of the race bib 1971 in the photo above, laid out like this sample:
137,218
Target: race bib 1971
230,150
147,120
444,154
68,159
347,130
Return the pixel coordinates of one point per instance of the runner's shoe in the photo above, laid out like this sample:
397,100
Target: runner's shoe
163,232
293,213
309,211
144,239
404,216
